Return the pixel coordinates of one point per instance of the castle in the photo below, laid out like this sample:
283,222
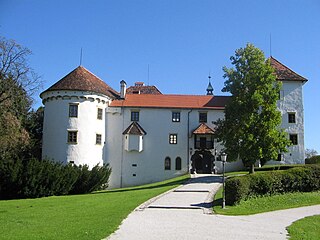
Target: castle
147,136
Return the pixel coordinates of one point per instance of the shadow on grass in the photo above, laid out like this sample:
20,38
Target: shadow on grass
217,202
178,182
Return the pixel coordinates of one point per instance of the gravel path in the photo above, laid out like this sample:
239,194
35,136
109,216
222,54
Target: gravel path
183,214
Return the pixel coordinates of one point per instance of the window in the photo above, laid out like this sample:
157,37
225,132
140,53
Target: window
175,116
203,117
98,139
73,110
134,116
173,138
178,163
167,164
72,136
99,114
294,139
291,117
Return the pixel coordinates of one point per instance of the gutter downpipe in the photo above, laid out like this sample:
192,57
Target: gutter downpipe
122,145
188,144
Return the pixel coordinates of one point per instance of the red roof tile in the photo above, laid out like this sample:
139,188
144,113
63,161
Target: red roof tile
172,101
203,129
83,80
135,129
285,73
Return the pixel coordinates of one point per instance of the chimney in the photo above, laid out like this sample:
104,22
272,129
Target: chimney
139,84
123,89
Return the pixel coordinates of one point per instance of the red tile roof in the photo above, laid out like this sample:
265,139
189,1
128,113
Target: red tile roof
172,101
285,73
203,129
143,90
135,129
83,80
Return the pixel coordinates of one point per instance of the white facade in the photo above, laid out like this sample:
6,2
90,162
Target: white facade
57,123
165,148
291,102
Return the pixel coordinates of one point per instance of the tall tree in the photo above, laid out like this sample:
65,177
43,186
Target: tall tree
251,128
18,82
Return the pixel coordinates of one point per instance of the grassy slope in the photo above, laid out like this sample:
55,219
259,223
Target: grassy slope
306,228
267,204
91,216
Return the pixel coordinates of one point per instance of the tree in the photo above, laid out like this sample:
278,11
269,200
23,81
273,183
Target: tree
14,67
250,130
18,82
310,153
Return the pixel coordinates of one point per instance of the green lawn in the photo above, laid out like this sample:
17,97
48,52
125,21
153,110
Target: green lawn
267,204
90,216
306,228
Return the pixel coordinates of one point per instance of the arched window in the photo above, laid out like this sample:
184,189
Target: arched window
167,164
178,163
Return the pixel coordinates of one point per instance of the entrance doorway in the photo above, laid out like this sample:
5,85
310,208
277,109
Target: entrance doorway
202,162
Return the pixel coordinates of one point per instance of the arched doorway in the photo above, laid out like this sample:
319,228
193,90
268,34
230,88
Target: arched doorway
202,162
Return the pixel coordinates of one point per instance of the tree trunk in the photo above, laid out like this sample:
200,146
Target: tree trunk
251,169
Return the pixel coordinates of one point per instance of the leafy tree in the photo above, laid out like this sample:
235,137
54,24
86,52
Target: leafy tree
250,130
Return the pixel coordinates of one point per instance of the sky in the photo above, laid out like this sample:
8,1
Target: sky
181,41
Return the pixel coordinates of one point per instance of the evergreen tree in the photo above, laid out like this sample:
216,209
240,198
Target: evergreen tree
251,128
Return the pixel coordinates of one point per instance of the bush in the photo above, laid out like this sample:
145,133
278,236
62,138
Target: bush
298,179
38,178
313,160
93,180
273,168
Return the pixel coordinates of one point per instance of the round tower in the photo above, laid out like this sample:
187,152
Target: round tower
74,118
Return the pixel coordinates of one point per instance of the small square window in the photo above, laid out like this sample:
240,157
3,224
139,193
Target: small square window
294,139
202,117
175,116
98,139
73,110
72,136
173,138
99,114
291,117
134,116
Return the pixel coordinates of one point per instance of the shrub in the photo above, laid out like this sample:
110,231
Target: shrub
93,180
298,179
313,160
38,178
273,167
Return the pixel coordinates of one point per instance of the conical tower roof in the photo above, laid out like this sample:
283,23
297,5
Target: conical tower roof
81,79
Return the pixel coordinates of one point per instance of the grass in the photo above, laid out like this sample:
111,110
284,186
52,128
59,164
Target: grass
267,203
90,216
306,228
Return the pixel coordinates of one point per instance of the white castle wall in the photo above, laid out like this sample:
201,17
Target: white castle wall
291,100
133,167
57,123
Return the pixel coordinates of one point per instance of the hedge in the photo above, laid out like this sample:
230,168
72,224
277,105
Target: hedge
313,160
298,179
39,178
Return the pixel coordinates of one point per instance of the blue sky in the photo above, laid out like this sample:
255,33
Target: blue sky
181,40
